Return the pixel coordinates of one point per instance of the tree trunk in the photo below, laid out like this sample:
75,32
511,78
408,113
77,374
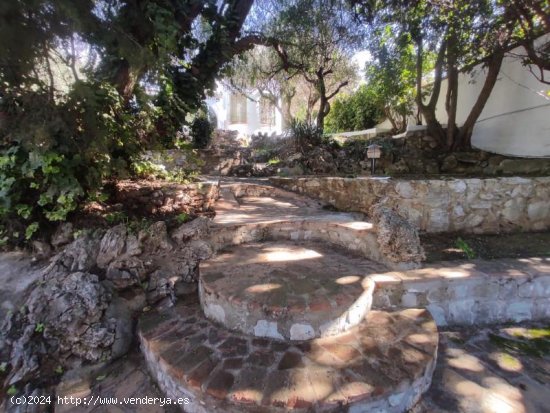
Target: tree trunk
323,101
388,113
451,100
286,111
125,79
428,111
464,140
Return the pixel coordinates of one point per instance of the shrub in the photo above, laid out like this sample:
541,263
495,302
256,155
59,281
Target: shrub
201,131
305,134
54,154
358,111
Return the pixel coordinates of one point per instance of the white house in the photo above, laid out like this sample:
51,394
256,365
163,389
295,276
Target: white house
246,114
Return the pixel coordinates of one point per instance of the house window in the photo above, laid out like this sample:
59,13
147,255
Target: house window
267,113
237,108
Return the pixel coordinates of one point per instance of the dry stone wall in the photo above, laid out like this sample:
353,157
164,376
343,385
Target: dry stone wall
159,198
489,205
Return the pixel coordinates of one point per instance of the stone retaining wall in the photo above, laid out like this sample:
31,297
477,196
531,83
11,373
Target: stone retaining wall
477,292
489,205
159,197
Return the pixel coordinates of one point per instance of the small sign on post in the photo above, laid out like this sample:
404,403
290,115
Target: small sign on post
374,152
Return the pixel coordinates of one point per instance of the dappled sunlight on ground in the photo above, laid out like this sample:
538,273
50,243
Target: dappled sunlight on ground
490,370
287,255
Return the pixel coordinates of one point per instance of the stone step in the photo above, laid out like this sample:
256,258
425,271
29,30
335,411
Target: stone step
250,213
383,364
287,290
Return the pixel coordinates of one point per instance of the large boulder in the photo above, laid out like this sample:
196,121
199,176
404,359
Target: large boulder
80,255
181,267
155,239
73,313
64,320
398,239
126,272
320,161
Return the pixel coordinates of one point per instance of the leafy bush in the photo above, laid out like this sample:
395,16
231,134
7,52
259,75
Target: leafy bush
358,111
201,131
53,155
144,169
305,134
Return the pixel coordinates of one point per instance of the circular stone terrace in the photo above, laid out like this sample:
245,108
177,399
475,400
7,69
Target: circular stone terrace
283,322
383,364
287,290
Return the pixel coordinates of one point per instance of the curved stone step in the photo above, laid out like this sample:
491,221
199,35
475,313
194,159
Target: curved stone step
260,213
287,290
383,364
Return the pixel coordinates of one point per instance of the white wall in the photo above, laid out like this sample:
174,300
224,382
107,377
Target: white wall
516,118
221,107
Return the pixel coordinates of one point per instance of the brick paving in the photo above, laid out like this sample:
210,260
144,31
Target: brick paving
296,285
383,356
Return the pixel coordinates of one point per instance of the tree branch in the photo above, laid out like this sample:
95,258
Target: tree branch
340,86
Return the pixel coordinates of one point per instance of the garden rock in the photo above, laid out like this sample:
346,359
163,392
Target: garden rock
320,161
74,315
64,321
161,285
197,228
80,255
41,250
126,272
112,245
397,237
155,239
63,235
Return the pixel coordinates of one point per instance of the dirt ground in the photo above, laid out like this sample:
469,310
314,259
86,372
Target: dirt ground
453,246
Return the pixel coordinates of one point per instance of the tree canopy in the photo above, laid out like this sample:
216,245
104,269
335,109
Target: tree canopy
138,68
308,40
456,36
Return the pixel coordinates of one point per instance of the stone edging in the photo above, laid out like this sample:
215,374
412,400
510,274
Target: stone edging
385,364
488,205
472,293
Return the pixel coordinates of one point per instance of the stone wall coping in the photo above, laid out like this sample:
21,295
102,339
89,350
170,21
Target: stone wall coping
481,205
388,179
508,268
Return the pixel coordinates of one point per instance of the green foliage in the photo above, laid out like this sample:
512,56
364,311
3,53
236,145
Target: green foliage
392,77
145,169
305,134
201,131
315,42
62,137
12,391
358,111
53,155
182,218
39,328
116,217
465,248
